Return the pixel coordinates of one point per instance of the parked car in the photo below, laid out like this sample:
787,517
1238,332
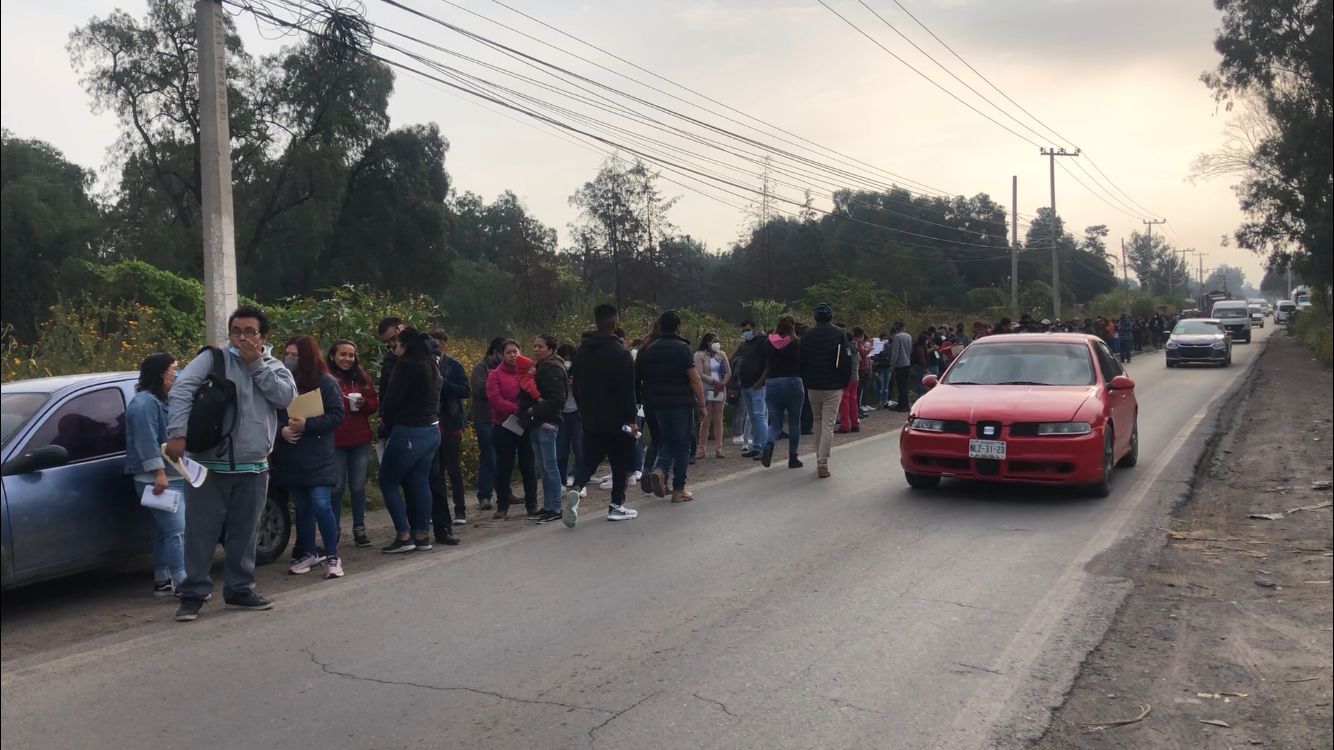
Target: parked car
1285,311
1049,409
66,504
1199,341
1235,317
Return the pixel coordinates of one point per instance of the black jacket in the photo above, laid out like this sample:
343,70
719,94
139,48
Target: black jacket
310,462
454,388
413,396
604,379
662,373
750,367
551,385
826,362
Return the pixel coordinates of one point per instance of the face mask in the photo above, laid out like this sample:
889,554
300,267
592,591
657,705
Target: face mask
716,347
236,352
747,335
291,362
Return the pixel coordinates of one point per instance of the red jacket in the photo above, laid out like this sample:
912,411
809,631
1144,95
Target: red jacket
502,391
355,429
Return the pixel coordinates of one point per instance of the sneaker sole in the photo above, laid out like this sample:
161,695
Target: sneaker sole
657,483
298,572
400,550
570,512
331,576
186,618
245,608
460,522
616,519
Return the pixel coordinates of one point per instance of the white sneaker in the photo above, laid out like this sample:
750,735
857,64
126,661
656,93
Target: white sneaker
603,478
583,492
634,478
621,513
606,484
569,510
738,440
569,481
304,564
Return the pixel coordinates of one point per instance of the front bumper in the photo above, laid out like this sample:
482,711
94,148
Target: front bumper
1072,459
1201,354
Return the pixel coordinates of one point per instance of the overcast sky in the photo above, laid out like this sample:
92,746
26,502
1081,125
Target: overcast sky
1119,78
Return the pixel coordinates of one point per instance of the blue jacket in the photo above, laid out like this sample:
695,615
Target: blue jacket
145,432
453,389
310,462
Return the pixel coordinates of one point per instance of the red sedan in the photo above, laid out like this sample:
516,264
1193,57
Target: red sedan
1048,408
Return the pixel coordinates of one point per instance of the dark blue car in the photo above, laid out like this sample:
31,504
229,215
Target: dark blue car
66,504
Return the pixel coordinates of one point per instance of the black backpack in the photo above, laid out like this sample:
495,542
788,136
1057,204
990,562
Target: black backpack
210,425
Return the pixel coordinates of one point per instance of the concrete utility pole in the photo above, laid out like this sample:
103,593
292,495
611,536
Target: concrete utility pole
1014,247
215,166
1051,154
1150,223
1125,275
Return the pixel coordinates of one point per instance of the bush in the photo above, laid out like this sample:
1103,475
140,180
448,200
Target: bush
1317,332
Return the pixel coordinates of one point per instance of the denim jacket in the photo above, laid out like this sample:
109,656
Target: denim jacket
145,432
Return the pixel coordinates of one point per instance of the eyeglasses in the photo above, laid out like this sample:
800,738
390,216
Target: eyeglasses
246,332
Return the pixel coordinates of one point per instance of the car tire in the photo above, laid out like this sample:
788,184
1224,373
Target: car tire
1132,456
275,530
1103,487
922,481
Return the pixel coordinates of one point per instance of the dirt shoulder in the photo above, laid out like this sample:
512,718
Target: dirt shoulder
1226,639
62,614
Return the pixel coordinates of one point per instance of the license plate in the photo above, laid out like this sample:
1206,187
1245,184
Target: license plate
994,449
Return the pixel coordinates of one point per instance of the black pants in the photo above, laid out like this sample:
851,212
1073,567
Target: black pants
440,518
901,377
509,447
654,441
807,416
447,463
619,450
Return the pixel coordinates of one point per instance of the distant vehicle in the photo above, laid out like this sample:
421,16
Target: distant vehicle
1285,311
1256,313
66,504
1053,409
1199,341
1301,296
1235,317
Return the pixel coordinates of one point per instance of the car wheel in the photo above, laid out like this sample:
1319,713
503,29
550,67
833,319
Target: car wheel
1132,456
275,529
922,481
1103,488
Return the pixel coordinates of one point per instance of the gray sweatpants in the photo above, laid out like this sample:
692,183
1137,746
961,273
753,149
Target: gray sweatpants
226,502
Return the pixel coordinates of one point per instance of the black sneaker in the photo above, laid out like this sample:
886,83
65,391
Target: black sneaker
423,544
251,601
483,503
767,456
163,589
535,514
547,516
188,610
399,546
499,515
448,541
460,516
359,536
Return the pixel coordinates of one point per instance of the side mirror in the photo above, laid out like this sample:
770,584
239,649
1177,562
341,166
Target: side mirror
46,457
929,382
1121,383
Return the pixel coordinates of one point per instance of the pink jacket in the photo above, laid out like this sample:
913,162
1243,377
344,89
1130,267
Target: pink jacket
502,391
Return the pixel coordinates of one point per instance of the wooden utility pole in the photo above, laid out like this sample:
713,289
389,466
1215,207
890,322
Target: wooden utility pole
1149,223
215,167
1051,154
1014,247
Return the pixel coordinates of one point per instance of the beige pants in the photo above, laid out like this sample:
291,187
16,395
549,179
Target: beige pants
824,416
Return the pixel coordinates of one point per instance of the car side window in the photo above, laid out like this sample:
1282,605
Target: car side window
1107,363
90,425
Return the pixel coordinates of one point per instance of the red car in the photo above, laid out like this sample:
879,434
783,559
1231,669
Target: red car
1044,408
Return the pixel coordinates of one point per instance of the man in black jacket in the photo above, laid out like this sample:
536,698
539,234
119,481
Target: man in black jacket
826,369
603,375
669,385
750,376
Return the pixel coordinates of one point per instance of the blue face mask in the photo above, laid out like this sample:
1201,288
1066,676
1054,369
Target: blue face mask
234,350
747,335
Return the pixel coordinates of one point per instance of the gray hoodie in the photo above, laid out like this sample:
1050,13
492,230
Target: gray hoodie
262,388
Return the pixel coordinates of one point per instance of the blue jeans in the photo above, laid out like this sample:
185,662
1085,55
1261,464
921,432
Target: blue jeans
486,460
570,439
408,456
544,437
168,536
350,465
784,396
314,507
759,416
882,378
675,426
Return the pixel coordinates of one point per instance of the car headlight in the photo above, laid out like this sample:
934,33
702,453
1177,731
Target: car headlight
1220,344
1065,428
927,425
1173,345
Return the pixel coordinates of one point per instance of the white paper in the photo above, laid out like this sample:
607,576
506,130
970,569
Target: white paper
877,346
193,472
169,500
512,424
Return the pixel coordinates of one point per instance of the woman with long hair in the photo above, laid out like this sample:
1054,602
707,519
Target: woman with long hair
502,391
784,393
714,372
303,460
145,432
543,412
352,439
410,413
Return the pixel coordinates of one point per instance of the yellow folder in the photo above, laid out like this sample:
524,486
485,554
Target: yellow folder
307,405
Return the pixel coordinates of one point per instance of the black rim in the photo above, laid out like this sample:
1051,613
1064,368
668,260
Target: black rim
270,527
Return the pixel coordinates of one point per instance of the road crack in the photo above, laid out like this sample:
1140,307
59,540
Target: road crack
717,703
976,668
960,604
592,733
329,670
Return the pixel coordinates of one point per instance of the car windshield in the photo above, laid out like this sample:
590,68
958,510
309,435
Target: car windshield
15,411
1195,328
1229,312
1023,364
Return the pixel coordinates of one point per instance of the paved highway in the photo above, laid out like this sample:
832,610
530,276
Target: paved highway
776,611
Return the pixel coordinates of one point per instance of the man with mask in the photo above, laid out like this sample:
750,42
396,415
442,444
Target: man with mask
750,376
233,496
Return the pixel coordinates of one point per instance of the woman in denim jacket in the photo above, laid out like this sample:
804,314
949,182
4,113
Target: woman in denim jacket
145,432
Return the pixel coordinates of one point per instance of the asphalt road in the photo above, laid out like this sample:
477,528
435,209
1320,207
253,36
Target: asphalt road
776,611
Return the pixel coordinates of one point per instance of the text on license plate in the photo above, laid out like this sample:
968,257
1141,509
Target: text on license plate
987,449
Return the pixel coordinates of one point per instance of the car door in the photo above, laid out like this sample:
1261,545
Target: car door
84,513
1120,404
